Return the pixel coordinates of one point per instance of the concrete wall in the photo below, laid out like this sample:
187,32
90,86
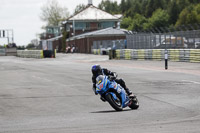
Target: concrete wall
11,51
2,51
8,51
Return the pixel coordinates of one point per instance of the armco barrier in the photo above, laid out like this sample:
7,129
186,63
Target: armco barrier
182,55
30,53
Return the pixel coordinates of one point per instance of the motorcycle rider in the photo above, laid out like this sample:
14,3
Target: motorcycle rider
97,70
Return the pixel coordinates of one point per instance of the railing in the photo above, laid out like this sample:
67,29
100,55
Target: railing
187,37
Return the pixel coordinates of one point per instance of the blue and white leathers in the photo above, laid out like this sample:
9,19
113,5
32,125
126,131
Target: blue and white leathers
104,86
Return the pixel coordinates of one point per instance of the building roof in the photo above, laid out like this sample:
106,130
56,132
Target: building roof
93,13
55,38
99,33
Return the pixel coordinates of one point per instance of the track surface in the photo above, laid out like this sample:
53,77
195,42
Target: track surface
55,96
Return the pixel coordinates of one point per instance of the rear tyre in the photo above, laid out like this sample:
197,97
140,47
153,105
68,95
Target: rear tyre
134,104
116,104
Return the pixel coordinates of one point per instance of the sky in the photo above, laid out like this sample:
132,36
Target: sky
22,16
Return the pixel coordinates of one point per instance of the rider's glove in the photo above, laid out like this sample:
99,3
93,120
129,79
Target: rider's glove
111,78
115,74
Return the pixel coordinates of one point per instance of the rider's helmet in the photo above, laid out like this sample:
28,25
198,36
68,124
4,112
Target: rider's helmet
96,70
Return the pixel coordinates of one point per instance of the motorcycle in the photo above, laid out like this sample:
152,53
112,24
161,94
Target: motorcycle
114,94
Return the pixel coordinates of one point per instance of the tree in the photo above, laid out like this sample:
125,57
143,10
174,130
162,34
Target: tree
150,8
182,4
138,22
160,18
136,8
109,6
53,13
194,1
20,47
123,6
79,8
126,23
173,12
30,46
190,15
65,36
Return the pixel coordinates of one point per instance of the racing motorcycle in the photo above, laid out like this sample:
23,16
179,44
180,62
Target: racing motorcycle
114,94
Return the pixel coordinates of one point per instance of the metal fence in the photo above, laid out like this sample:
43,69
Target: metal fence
168,39
109,44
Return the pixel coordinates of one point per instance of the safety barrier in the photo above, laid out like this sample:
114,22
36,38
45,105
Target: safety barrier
30,53
96,51
194,55
179,55
2,52
157,54
8,51
11,51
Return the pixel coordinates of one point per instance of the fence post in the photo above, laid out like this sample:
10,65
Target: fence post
166,59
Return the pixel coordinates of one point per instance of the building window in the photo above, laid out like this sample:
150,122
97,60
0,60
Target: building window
99,26
87,25
68,27
107,24
80,25
50,30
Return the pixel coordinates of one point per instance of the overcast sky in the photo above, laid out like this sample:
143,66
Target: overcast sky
23,17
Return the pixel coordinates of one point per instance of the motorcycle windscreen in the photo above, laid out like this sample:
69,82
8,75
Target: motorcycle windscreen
101,84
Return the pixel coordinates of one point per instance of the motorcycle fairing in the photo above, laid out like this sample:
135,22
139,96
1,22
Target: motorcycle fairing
104,84
120,90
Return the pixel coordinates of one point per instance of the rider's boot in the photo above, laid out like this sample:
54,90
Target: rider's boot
130,93
102,98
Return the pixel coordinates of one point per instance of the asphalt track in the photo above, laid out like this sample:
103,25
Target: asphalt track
55,96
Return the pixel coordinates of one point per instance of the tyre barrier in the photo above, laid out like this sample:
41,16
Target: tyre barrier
30,53
117,53
48,53
194,55
174,54
96,51
157,54
178,55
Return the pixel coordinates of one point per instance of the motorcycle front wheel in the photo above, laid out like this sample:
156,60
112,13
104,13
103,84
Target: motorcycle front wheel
134,104
116,104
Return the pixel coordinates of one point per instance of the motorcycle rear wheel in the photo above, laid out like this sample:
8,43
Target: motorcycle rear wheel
116,104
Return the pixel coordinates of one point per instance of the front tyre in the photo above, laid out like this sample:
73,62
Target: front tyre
116,104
